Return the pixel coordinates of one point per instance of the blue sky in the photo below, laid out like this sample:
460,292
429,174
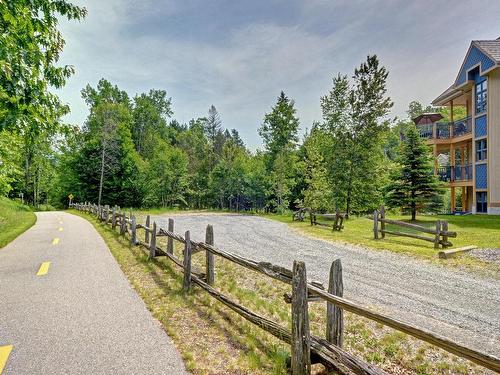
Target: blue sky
238,55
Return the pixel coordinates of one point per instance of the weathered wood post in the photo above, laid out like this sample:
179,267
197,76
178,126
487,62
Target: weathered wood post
107,213
334,314
170,240
133,231
123,223
113,218
186,284
300,346
209,261
438,234
146,235
375,224
152,245
382,222
444,226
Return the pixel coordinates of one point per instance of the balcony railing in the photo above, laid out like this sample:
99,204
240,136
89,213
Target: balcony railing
462,127
446,130
455,173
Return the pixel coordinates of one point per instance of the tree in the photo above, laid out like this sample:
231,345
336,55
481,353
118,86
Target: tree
413,186
30,46
213,124
356,117
318,193
10,160
151,112
280,126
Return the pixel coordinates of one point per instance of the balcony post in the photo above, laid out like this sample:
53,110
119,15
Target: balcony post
453,199
452,123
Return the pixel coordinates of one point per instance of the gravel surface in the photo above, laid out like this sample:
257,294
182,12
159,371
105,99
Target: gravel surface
453,303
82,317
488,255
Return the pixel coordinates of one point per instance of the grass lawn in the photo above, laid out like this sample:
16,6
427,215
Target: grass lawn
480,230
15,218
212,339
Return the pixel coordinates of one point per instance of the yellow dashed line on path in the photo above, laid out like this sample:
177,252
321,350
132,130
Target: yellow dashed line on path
4,356
44,268
55,241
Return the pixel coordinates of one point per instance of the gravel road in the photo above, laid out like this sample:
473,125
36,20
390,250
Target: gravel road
453,303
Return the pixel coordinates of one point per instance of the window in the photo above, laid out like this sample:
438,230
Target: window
481,152
481,96
481,202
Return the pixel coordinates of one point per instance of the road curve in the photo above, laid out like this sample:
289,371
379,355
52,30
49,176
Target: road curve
79,315
456,304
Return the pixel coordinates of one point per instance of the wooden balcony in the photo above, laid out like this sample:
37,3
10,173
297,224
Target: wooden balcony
447,132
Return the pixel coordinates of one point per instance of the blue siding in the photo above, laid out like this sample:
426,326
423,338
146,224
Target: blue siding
481,176
481,126
474,57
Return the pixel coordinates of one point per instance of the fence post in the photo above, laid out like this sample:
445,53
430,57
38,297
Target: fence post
123,223
444,227
438,234
375,224
170,240
113,218
301,350
382,222
148,223
334,314
152,245
209,240
186,284
133,229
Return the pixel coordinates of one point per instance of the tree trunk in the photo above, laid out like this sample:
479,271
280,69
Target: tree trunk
102,173
413,207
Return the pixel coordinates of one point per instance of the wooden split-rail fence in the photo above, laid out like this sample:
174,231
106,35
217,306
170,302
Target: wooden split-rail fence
337,218
440,234
305,348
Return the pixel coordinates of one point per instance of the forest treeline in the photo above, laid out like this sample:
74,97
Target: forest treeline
131,151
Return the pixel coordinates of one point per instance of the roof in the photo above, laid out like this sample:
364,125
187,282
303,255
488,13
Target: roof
490,47
491,52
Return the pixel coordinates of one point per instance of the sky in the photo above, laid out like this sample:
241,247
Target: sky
239,55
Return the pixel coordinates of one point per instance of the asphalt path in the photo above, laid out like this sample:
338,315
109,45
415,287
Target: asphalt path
67,308
460,305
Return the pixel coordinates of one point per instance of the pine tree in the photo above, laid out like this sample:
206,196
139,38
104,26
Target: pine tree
414,187
280,126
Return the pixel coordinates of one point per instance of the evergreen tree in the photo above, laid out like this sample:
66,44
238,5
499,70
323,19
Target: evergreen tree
280,126
414,187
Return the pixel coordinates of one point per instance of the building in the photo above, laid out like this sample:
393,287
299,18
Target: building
467,150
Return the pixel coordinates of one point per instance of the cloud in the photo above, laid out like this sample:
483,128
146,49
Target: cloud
238,56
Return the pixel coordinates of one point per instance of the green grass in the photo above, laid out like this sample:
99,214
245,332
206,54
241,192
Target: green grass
214,340
480,230
15,218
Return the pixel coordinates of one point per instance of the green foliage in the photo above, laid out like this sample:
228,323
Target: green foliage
354,120
318,195
10,160
414,187
279,129
30,46
15,218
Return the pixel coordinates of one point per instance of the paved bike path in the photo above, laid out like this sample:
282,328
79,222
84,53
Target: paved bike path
77,314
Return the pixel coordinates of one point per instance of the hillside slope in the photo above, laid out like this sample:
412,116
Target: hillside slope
15,218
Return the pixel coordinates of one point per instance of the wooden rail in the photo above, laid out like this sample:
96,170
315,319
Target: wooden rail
306,349
337,218
439,237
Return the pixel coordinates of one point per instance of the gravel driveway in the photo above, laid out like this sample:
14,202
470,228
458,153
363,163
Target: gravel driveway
456,304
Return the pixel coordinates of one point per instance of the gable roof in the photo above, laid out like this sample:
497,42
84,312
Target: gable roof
482,53
490,48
